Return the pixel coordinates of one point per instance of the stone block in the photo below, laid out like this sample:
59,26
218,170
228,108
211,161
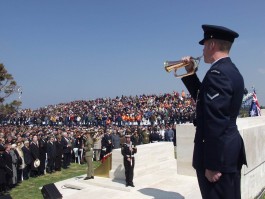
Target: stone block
252,130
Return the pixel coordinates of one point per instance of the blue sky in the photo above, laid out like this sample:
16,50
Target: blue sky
60,51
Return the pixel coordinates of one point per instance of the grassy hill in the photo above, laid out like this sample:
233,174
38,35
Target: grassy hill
32,188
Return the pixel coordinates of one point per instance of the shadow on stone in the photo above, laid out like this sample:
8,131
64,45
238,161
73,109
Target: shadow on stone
160,194
118,181
119,173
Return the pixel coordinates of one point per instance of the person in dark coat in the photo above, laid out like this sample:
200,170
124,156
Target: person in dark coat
9,168
43,151
3,171
219,151
27,160
35,153
51,155
107,142
59,153
154,136
66,150
166,138
128,151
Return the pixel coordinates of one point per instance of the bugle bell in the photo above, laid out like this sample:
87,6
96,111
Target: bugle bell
175,65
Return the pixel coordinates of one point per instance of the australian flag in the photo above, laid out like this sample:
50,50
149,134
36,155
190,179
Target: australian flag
254,107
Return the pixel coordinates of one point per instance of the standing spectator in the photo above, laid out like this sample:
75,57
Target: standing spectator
66,150
27,160
35,153
51,155
8,164
166,137
43,153
59,153
3,171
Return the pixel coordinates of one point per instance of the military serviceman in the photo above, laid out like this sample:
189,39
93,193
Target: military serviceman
218,147
88,147
128,151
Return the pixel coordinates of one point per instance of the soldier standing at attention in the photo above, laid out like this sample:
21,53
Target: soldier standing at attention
88,147
128,151
219,151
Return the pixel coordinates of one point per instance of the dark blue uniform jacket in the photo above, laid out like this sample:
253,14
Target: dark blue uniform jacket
218,145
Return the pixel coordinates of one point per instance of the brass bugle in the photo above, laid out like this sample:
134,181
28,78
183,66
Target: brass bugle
175,65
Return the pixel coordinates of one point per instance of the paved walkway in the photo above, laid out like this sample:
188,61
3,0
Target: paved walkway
165,183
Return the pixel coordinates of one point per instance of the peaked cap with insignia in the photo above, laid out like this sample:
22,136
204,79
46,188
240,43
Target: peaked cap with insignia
218,32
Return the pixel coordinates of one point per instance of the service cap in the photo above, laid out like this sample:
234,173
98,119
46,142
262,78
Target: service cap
218,32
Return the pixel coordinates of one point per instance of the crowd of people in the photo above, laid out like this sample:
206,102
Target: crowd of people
125,110
46,140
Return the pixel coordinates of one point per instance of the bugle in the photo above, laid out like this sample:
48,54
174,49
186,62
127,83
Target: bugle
175,65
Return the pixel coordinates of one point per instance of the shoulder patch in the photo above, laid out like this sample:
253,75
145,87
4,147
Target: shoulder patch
215,71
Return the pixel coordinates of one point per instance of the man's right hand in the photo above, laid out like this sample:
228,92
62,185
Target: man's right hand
188,59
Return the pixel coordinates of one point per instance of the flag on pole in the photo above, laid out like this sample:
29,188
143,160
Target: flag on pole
254,108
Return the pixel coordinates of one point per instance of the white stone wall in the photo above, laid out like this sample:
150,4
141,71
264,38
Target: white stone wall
252,130
148,159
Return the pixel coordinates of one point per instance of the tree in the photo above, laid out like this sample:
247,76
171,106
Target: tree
7,87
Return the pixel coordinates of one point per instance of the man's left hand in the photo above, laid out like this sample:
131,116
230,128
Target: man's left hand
212,176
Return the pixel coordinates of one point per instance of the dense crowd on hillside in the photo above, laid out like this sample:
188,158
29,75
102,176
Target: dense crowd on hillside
46,140
125,110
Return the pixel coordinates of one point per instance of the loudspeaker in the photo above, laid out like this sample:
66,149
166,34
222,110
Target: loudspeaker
50,191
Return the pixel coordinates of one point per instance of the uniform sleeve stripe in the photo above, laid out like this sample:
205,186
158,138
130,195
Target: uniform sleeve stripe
212,97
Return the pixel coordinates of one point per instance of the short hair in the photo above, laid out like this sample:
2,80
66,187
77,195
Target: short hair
224,46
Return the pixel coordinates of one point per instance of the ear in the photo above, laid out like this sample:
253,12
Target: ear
212,45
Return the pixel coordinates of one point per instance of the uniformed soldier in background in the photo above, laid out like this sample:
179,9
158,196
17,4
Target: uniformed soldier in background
128,151
88,147
218,147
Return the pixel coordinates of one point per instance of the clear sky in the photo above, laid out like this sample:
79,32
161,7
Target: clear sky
65,50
